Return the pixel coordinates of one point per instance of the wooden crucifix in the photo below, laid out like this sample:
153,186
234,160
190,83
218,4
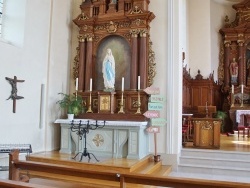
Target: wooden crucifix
14,95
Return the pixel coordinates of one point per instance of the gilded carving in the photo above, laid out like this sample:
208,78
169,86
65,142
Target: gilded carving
76,64
83,17
136,10
138,22
143,32
112,27
84,28
151,64
134,32
221,65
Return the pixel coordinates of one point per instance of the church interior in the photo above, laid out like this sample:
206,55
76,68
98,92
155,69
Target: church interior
125,93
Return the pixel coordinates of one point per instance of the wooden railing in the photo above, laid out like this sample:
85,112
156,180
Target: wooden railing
124,179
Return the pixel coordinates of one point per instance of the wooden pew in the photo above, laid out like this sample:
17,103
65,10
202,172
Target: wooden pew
14,184
123,180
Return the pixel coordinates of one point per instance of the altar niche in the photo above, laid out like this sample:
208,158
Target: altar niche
122,28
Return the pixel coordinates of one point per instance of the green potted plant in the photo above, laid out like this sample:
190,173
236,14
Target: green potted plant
71,103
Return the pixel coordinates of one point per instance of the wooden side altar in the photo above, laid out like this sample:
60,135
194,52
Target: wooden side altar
206,132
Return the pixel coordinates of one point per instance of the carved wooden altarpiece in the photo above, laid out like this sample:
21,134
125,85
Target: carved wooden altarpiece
122,26
234,68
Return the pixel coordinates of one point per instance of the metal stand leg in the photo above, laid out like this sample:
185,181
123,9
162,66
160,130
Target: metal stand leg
85,152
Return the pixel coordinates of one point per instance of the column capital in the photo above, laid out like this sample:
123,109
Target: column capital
227,43
240,42
143,32
134,32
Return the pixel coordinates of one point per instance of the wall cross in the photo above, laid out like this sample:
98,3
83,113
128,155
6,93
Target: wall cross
14,96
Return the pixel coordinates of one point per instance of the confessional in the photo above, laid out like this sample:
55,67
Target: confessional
123,27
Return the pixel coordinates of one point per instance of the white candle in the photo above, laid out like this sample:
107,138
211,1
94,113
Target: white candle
232,88
122,83
76,84
90,85
242,88
139,82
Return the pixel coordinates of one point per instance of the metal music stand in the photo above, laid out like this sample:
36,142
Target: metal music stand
81,130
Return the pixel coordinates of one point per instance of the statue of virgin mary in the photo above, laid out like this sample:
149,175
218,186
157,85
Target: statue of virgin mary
108,70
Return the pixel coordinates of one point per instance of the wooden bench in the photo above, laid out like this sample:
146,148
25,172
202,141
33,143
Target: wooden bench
122,180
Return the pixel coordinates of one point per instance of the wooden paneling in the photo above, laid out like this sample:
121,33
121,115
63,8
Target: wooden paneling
199,92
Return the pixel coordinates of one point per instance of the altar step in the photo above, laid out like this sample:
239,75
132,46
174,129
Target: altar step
143,166
215,162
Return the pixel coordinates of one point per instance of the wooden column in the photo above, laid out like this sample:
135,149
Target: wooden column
227,62
82,57
121,5
143,59
241,72
88,68
134,62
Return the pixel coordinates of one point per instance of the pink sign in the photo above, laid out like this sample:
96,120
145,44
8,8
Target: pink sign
152,90
153,129
152,114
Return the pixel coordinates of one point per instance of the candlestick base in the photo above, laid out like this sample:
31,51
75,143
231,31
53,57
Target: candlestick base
89,109
139,104
121,111
138,110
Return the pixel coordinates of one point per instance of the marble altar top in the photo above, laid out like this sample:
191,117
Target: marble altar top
107,123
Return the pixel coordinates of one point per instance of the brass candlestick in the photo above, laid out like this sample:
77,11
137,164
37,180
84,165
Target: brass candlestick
232,99
121,111
242,99
138,104
89,108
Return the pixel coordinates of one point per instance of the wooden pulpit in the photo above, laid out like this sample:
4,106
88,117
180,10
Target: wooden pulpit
206,132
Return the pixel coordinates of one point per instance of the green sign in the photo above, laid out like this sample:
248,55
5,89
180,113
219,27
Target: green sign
158,121
157,98
155,106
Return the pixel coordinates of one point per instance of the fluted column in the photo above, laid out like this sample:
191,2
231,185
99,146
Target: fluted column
241,73
88,68
82,57
227,62
143,59
134,60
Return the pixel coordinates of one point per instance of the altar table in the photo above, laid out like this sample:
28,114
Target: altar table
239,113
117,139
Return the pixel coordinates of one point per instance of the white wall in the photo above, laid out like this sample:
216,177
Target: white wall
42,59
205,19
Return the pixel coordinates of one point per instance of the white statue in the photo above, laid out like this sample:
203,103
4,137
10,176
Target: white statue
108,70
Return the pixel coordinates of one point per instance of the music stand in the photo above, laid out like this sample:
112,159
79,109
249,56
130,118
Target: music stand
82,130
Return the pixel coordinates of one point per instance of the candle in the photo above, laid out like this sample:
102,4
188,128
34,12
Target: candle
90,85
232,88
139,82
76,84
122,83
242,88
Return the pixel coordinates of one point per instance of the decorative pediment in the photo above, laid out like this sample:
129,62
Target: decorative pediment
242,17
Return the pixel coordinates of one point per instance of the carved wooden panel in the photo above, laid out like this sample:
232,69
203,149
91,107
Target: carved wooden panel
206,132
199,92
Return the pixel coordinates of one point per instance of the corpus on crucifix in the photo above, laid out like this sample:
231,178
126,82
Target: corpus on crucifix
14,95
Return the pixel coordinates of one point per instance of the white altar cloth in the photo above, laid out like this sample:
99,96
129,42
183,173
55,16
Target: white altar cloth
239,113
117,139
